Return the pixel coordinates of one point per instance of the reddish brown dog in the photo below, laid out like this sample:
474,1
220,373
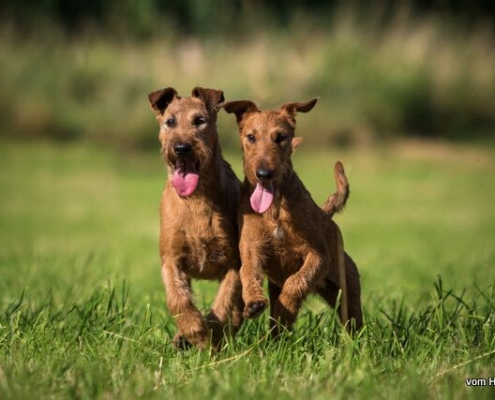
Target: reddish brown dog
198,231
284,234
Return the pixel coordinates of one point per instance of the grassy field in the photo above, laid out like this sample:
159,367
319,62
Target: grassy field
82,311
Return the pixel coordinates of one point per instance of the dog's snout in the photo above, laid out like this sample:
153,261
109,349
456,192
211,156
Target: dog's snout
264,174
181,149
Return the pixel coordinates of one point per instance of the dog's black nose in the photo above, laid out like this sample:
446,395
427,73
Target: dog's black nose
181,149
264,174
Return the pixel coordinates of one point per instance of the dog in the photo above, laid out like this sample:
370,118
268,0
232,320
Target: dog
198,213
283,233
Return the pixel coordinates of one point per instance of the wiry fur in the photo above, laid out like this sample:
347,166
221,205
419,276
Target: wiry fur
294,242
198,233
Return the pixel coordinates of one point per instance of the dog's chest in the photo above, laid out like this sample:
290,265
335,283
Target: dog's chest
278,234
209,245
288,247
201,239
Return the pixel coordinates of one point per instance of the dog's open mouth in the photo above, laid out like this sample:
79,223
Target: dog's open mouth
262,197
185,176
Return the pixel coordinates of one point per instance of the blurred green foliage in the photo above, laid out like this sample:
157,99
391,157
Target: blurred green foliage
141,17
82,69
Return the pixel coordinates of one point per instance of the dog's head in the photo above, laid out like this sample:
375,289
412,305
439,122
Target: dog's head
268,140
188,133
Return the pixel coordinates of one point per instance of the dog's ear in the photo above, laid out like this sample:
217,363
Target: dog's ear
295,143
160,99
239,108
292,108
211,97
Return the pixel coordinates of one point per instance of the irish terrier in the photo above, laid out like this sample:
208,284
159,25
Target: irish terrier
283,233
198,229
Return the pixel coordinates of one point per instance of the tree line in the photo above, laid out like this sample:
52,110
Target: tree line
143,18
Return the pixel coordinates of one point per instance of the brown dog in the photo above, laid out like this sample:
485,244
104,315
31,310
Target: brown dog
199,232
284,234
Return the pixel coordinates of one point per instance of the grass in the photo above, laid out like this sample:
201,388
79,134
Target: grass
82,311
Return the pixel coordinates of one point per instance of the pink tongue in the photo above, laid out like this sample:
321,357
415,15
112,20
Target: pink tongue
185,182
262,198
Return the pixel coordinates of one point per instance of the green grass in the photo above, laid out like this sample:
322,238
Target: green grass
82,312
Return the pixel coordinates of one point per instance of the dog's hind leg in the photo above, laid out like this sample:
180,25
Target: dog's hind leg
353,294
344,307
273,294
226,312
330,291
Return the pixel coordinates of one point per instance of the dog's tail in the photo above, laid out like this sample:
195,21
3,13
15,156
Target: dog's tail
336,202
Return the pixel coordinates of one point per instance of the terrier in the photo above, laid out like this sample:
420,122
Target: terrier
198,229
283,233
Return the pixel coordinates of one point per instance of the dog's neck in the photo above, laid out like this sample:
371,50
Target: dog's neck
211,188
284,193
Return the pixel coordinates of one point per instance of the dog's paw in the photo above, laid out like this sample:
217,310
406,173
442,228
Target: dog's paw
254,309
180,342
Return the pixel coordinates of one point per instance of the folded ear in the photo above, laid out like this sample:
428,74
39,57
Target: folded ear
292,108
239,108
296,142
160,99
211,97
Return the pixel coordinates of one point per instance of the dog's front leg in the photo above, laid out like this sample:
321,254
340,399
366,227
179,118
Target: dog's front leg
295,290
227,308
190,322
252,275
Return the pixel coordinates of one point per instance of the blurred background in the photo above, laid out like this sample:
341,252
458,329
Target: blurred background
80,70
407,102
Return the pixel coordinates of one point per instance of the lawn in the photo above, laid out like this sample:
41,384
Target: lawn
82,311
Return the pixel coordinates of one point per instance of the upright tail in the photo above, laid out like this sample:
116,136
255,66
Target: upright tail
336,202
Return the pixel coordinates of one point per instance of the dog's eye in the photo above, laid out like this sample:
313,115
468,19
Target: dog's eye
170,122
280,138
251,138
199,120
